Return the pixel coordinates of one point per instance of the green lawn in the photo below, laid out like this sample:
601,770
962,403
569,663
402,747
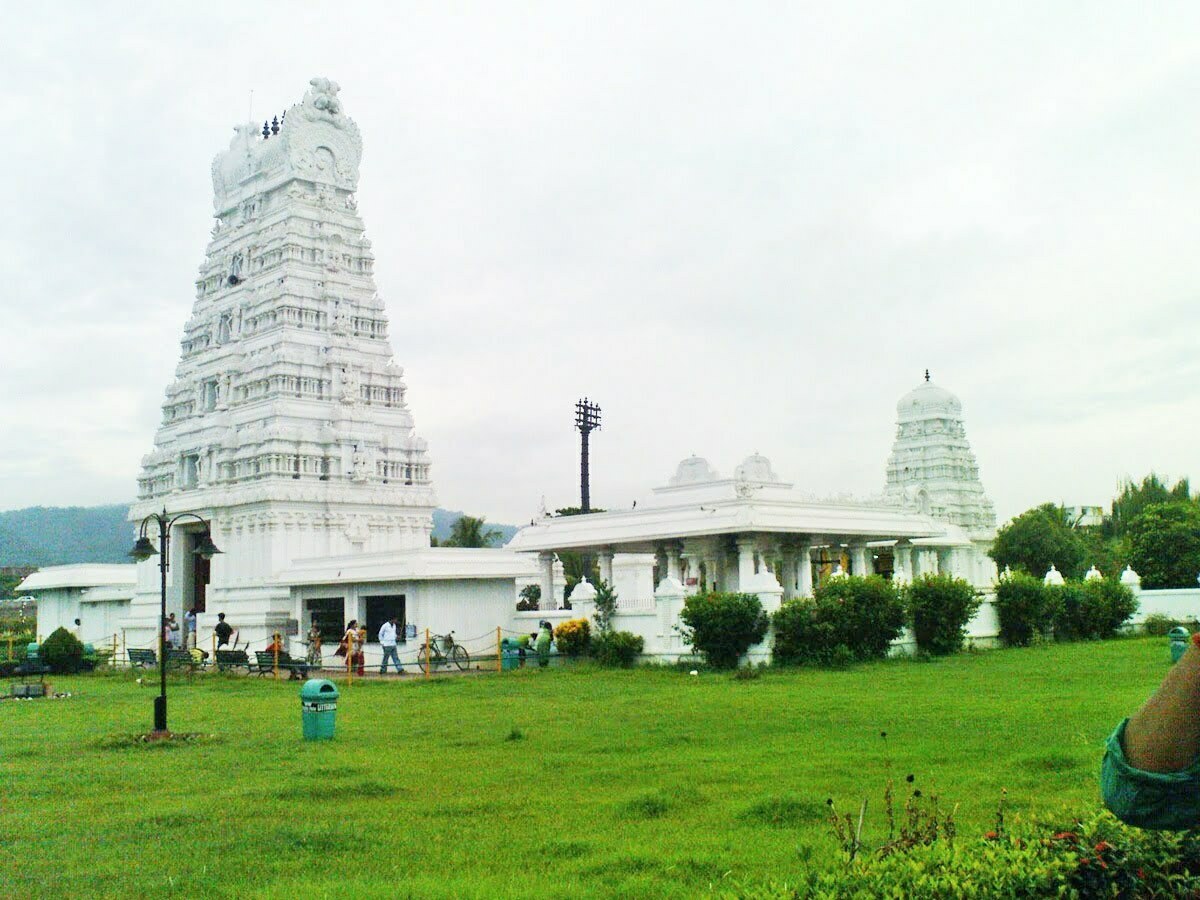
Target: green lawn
643,782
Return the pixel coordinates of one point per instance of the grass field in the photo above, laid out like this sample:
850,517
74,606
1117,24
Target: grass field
558,782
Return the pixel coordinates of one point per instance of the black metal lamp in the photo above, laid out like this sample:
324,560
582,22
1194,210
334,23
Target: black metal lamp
142,550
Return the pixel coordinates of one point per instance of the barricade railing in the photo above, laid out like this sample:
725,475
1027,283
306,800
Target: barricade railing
430,654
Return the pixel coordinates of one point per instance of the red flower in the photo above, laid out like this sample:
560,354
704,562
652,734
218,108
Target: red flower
1103,846
991,836
1066,836
1142,874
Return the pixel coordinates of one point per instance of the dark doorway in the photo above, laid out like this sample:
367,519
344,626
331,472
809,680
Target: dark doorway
201,569
379,610
329,615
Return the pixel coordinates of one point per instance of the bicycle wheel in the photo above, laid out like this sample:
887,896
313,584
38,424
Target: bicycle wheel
422,657
460,657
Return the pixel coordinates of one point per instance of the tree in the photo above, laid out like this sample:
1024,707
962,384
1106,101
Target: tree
1134,498
1164,544
605,606
1038,538
530,595
468,531
577,565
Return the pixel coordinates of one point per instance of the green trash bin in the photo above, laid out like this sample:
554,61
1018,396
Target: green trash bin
31,652
510,654
1179,642
318,709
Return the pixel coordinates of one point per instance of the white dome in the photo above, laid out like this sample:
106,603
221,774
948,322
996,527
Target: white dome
693,470
927,400
755,468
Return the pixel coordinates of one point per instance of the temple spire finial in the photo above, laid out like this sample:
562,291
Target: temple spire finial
926,374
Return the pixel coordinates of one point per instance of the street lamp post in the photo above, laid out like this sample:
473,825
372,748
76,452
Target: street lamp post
142,550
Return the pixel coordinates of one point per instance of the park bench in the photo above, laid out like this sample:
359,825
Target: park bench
140,659
178,658
232,659
294,667
33,680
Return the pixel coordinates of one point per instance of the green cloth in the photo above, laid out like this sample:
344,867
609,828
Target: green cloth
1148,799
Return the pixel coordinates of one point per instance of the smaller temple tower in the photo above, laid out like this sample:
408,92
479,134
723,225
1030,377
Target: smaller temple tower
932,467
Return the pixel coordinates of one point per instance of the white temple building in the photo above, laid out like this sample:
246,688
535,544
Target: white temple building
286,428
287,437
755,533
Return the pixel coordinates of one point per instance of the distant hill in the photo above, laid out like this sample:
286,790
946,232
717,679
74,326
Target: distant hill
51,536
444,519
58,535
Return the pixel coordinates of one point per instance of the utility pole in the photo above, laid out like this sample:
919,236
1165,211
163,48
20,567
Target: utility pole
587,420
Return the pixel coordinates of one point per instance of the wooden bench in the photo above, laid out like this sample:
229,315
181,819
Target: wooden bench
140,659
232,659
294,667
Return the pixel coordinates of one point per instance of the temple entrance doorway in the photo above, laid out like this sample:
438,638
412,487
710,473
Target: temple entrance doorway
380,609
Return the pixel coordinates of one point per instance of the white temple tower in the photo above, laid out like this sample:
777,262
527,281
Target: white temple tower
932,467
286,425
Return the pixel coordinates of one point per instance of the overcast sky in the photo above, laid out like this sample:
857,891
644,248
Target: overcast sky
738,227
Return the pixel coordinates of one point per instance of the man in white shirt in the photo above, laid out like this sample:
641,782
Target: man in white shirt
387,642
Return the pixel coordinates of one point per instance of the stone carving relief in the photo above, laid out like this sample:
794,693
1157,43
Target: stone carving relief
359,466
350,387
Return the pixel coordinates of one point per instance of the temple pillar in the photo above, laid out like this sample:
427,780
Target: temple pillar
789,573
674,567
902,562
858,560
804,582
546,580
746,545
605,560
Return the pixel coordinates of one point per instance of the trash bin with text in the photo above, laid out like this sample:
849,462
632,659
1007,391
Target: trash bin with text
318,709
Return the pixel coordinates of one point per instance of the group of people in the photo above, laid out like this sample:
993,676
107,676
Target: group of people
354,641
178,638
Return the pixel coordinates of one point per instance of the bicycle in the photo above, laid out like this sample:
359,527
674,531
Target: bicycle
445,652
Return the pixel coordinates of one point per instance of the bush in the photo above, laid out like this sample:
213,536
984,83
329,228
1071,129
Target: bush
1096,857
1110,605
847,620
1160,624
941,606
617,648
573,637
1024,610
62,652
723,626
1067,603
1089,610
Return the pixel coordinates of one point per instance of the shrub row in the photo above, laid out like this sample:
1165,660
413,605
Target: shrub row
1095,857
608,648
1029,610
853,619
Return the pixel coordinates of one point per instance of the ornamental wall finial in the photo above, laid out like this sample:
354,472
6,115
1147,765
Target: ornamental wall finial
927,375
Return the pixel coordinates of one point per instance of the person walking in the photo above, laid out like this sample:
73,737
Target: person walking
313,657
387,642
353,641
223,630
